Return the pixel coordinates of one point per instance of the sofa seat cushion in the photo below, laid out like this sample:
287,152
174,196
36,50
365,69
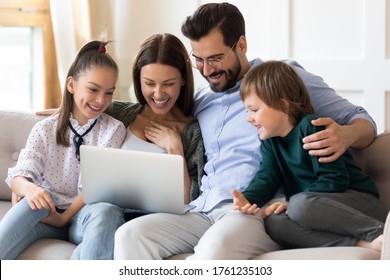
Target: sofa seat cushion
48,249
324,253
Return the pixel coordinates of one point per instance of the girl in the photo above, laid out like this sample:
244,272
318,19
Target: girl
46,175
329,204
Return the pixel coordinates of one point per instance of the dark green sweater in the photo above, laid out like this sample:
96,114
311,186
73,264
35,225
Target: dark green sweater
285,163
191,138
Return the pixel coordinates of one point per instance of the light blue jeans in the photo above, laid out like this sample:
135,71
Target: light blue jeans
92,229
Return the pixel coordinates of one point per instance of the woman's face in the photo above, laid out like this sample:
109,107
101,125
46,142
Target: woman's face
160,85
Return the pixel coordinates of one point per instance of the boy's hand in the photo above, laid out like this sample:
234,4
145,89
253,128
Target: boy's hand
276,208
242,204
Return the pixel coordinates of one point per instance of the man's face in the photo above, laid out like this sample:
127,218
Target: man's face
216,62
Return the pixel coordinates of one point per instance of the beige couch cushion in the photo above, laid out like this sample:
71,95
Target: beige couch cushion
375,161
48,249
18,125
326,253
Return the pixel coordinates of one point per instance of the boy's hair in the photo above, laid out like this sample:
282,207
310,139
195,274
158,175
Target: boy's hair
274,81
226,17
90,55
165,49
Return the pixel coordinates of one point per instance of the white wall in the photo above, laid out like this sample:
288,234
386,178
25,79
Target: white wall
135,20
347,42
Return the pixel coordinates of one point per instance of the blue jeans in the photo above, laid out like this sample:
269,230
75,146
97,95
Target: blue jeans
92,229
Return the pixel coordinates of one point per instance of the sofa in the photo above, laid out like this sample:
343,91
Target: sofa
374,160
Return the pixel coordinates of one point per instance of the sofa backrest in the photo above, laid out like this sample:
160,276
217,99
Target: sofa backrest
375,161
15,127
14,130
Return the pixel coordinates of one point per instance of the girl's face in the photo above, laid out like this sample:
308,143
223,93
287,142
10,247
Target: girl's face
160,85
92,92
268,121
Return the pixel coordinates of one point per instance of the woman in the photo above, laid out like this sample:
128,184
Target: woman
161,121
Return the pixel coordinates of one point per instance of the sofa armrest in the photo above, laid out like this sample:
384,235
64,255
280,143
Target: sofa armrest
385,255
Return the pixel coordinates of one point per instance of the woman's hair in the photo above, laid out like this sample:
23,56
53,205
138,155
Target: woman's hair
92,54
226,17
275,81
165,49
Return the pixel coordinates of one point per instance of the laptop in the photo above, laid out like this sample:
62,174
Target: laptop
147,181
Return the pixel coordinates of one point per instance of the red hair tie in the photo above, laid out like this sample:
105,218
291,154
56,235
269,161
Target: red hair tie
102,49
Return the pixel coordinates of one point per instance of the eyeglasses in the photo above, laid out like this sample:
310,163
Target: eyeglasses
215,63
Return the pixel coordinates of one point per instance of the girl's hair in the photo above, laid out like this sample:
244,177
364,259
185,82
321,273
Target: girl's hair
226,17
275,81
92,54
165,49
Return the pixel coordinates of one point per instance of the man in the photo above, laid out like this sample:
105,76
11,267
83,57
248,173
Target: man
213,230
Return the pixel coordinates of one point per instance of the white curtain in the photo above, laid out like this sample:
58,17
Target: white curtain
71,27
126,22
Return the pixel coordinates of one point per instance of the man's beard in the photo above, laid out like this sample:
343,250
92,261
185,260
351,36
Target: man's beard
231,76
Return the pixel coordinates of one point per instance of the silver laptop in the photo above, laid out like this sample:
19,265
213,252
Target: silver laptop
147,181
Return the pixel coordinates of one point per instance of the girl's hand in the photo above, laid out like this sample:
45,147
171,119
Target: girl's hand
15,198
243,205
167,138
276,208
55,219
59,220
38,198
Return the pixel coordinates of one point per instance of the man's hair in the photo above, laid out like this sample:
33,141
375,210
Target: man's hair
226,17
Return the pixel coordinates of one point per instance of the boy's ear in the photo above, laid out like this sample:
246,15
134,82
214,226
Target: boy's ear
286,105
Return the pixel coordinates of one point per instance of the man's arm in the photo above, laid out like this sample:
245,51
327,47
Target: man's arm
346,125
